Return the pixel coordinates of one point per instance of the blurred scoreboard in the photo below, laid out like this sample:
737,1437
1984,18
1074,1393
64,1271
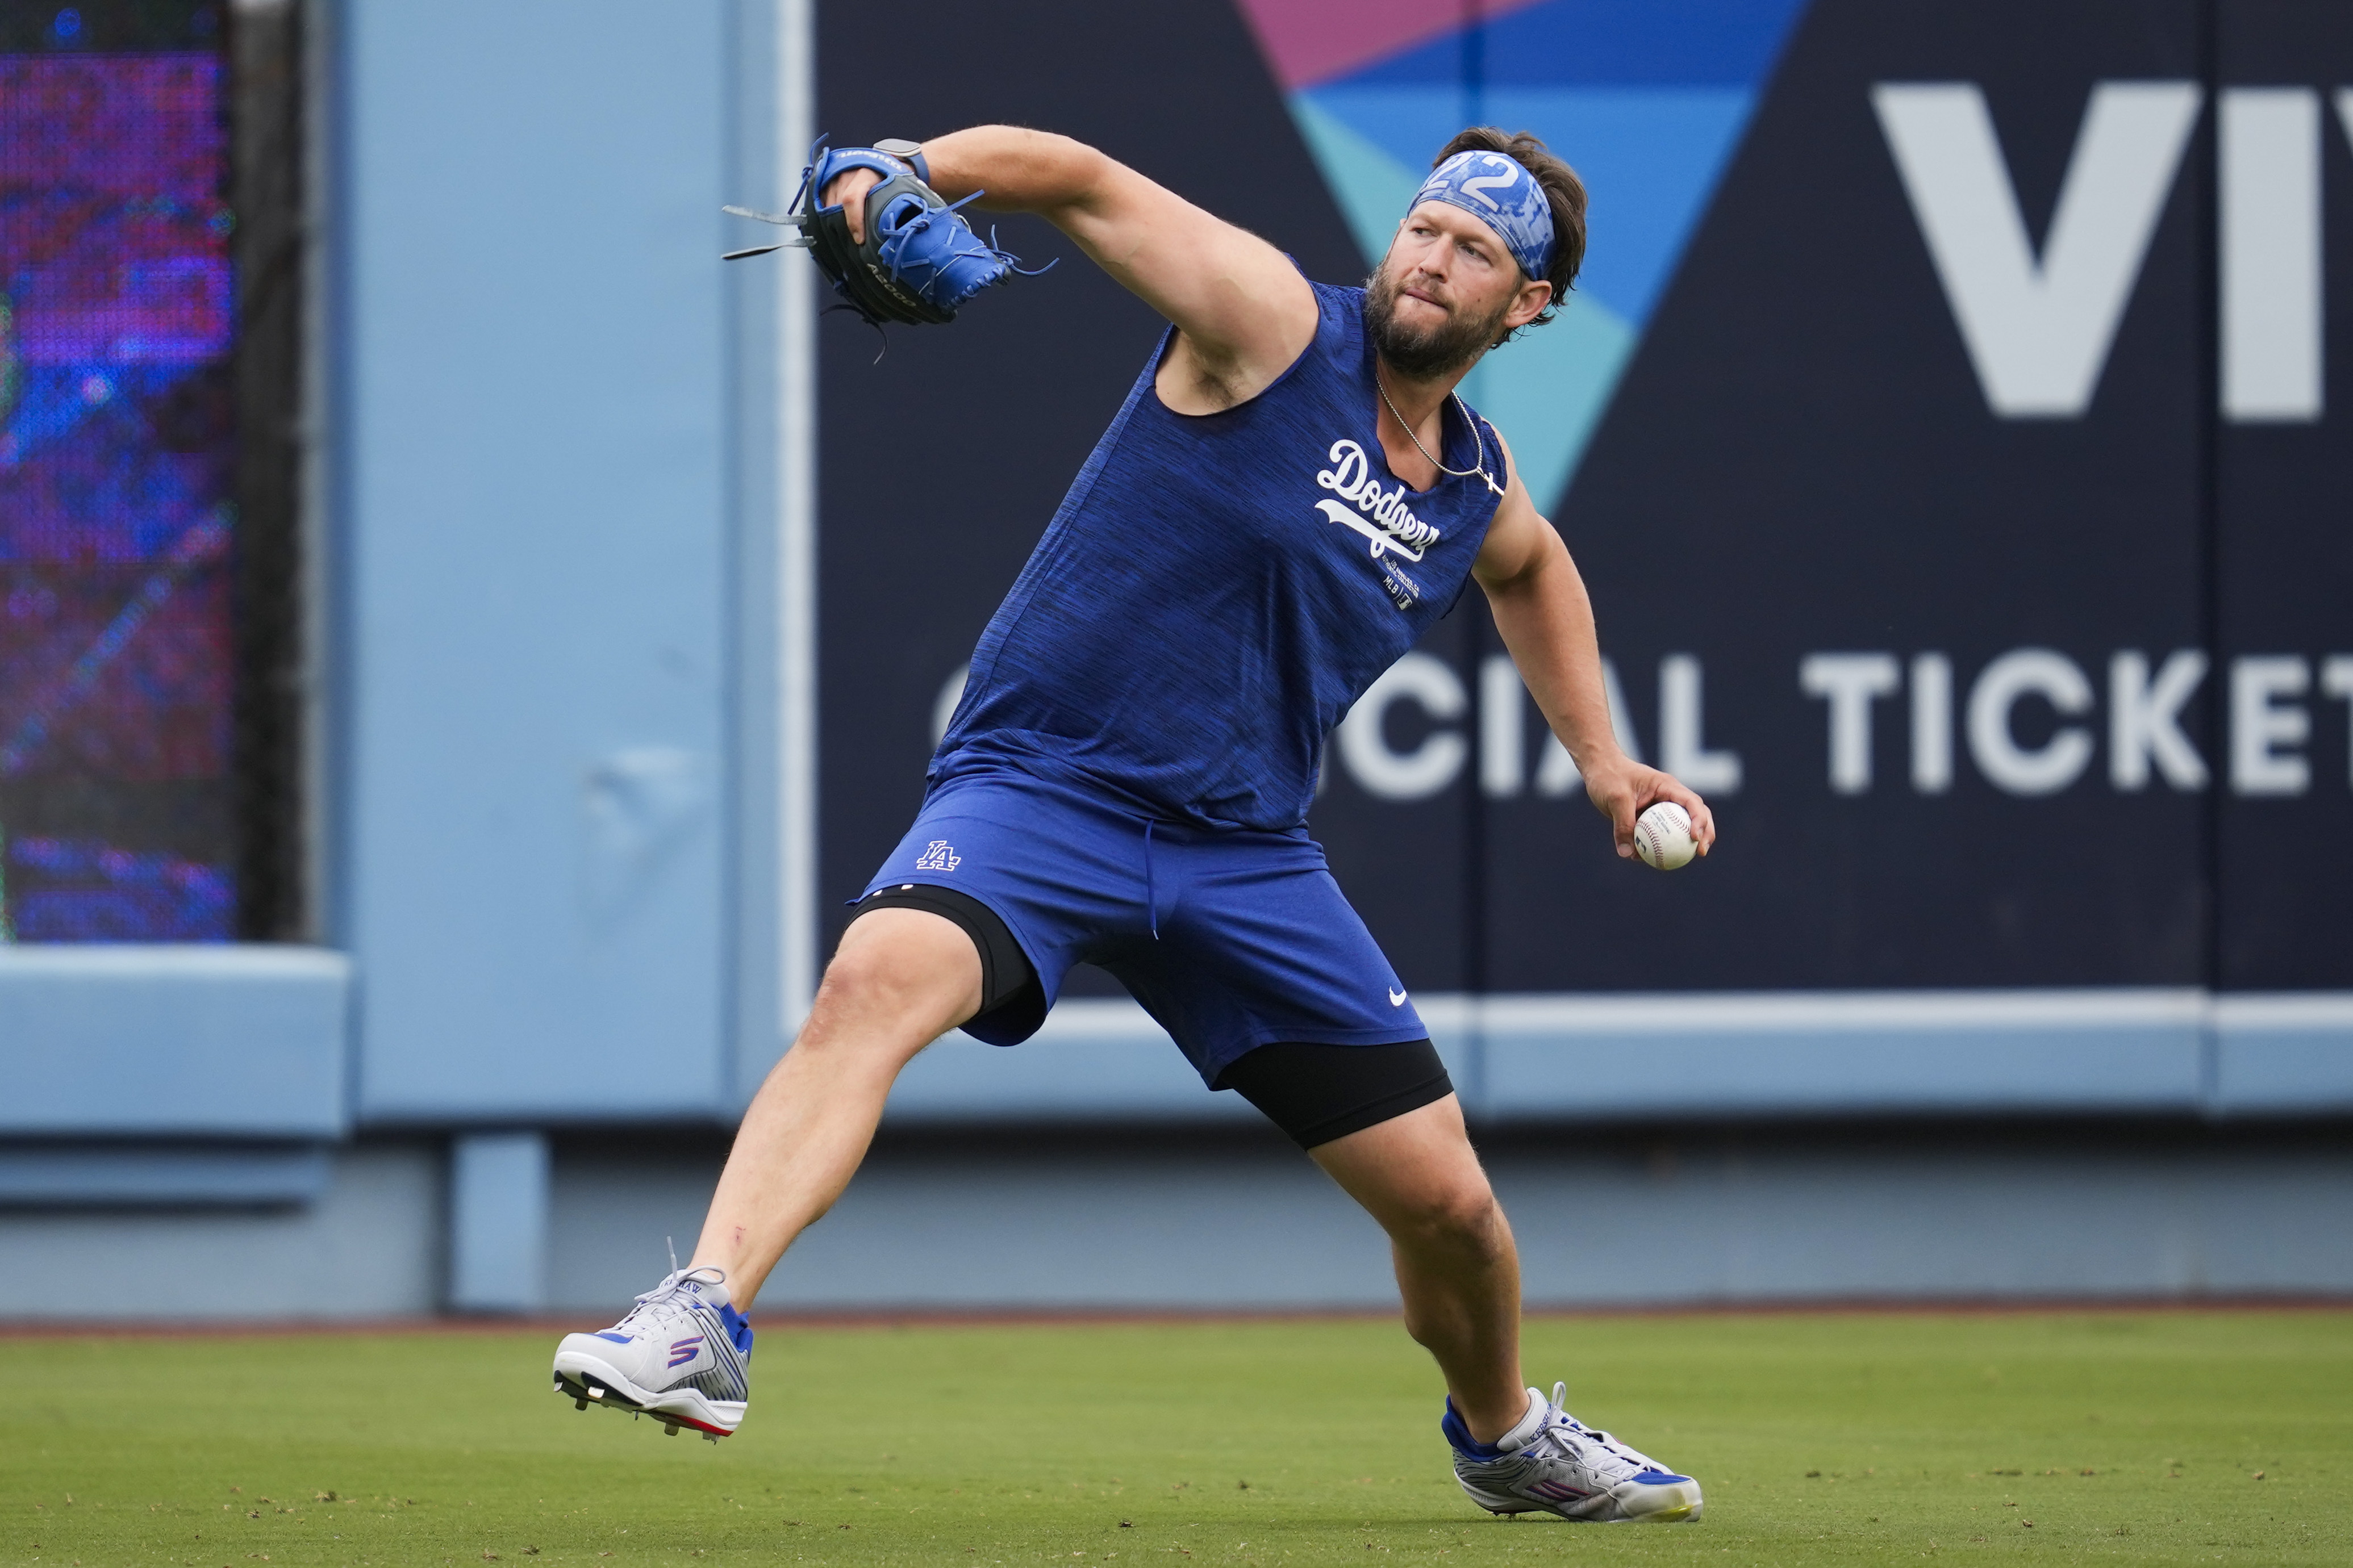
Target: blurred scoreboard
117,324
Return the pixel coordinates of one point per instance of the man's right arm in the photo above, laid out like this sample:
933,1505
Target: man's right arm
1242,312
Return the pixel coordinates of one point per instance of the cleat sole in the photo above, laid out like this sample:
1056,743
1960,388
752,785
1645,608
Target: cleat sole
614,1391
1686,1511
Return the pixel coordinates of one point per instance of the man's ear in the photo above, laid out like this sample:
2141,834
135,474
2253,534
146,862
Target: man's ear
1534,298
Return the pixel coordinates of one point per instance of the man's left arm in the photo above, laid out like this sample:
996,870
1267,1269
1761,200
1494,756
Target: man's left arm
1547,620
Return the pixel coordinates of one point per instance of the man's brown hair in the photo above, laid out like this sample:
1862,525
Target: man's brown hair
1564,192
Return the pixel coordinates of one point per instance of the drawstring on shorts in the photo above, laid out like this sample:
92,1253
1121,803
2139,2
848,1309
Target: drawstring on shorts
1151,900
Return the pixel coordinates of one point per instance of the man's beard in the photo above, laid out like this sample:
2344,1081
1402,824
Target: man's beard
1424,356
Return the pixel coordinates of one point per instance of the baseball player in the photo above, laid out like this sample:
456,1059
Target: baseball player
1128,778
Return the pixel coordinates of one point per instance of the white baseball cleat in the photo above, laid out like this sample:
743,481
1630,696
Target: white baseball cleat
682,1355
1553,1463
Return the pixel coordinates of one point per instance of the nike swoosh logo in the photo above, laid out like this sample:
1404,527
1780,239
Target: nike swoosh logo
1397,998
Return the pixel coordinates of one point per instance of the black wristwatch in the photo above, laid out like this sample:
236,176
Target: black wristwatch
906,152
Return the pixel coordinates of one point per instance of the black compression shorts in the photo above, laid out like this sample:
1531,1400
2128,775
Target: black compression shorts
1318,1093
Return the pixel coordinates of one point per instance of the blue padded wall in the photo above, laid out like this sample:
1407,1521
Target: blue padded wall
192,1041
535,538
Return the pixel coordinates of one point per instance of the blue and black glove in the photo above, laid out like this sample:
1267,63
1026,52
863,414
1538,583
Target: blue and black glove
919,262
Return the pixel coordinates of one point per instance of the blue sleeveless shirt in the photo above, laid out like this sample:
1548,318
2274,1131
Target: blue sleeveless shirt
1216,590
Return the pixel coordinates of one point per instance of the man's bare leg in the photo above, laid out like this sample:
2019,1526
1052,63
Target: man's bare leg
1456,1265
901,979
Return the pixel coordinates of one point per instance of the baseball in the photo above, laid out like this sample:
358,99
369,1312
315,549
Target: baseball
1662,837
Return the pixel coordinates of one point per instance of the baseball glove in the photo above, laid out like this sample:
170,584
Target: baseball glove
920,260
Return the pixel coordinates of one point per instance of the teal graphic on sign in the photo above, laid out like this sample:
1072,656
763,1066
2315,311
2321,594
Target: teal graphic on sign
1646,98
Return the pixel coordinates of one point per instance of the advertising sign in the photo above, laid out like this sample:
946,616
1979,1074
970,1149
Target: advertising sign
1944,424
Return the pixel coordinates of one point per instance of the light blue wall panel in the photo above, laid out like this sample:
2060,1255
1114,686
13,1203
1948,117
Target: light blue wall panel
497,1222
46,1175
1844,1053
535,449
1240,1222
231,1042
370,1247
762,176
2284,1055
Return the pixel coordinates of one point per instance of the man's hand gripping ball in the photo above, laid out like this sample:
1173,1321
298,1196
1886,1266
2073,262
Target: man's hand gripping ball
1626,792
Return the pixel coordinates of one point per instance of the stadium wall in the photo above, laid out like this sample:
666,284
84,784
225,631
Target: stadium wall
1135,1218
2010,647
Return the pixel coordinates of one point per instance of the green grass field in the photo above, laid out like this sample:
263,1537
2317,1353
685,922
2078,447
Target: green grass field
2122,1437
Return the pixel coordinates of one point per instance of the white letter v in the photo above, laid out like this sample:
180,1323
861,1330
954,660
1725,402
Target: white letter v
2038,332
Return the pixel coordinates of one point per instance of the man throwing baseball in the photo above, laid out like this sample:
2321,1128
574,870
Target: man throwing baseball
1126,780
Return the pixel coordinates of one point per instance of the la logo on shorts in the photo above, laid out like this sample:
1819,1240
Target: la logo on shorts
938,857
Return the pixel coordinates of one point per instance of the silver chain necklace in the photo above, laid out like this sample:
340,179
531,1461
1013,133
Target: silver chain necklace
1478,468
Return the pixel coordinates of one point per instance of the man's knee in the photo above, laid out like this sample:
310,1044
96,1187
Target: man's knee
873,978
901,963
1460,1213
859,979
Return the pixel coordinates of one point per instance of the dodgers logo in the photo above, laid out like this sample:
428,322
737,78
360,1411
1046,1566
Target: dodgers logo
1381,516
1391,532
938,857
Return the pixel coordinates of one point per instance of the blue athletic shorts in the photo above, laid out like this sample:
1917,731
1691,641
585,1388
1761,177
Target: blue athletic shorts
1230,938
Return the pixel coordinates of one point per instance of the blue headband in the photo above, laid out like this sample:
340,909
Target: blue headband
1499,192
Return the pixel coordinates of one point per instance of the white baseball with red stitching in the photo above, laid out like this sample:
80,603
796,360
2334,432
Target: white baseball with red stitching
1662,837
